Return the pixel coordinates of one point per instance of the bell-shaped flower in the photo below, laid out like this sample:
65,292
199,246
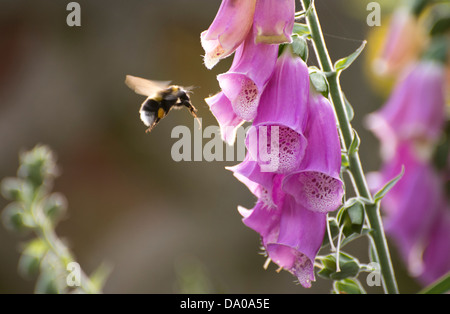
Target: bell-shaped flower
415,109
274,21
436,256
228,30
252,67
317,184
222,109
412,206
290,234
402,44
276,139
266,186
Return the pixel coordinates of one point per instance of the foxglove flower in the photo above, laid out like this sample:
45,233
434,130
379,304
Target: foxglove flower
402,44
436,256
415,110
317,184
228,30
274,21
291,234
222,109
412,206
277,139
252,67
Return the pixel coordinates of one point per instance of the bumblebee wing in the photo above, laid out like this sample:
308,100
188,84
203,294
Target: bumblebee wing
145,87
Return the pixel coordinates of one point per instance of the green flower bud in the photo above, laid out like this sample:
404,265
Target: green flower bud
11,189
55,206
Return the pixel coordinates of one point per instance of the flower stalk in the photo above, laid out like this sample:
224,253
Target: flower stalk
377,235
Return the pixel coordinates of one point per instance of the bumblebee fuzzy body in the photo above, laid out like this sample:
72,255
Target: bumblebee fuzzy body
161,98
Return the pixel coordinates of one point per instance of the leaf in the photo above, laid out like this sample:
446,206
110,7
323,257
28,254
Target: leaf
300,47
320,83
30,260
440,286
349,267
385,189
352,217
345,163
354,146
301,29
441,26
348,286
349,109
344,63
100,275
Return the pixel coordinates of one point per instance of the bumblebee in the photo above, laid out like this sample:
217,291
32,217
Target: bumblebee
161,98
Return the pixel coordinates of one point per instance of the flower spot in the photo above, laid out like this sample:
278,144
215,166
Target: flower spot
321,192
247,102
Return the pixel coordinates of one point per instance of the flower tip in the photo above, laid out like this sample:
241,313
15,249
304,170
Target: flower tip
244,212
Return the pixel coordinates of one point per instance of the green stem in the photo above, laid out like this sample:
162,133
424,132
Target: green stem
355,167
46,233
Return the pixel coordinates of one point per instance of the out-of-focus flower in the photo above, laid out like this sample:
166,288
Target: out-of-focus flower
414,111
274,21
252,67
277,139
403,43
317,184
228,30
436,256
412,209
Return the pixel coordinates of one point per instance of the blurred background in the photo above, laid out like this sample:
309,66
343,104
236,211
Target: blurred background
164,226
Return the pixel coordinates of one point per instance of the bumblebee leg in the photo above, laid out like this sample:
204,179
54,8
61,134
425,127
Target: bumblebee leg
150,128
193,112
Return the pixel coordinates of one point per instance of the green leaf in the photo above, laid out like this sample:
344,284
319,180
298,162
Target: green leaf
11,188
100,275
440,286
319,81
300,47
344,63
14,218
354,146
349,109
54,207
348,286
384,190
349,267
301,29
345,163
441,26
30,260
352,217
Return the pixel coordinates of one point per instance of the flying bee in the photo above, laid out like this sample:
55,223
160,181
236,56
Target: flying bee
161,98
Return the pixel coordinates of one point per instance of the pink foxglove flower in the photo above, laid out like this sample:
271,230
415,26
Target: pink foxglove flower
291,234
412,208
274,21
436,256
252,67
276,139
415,110
222,109
317,184
228,30
403,43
